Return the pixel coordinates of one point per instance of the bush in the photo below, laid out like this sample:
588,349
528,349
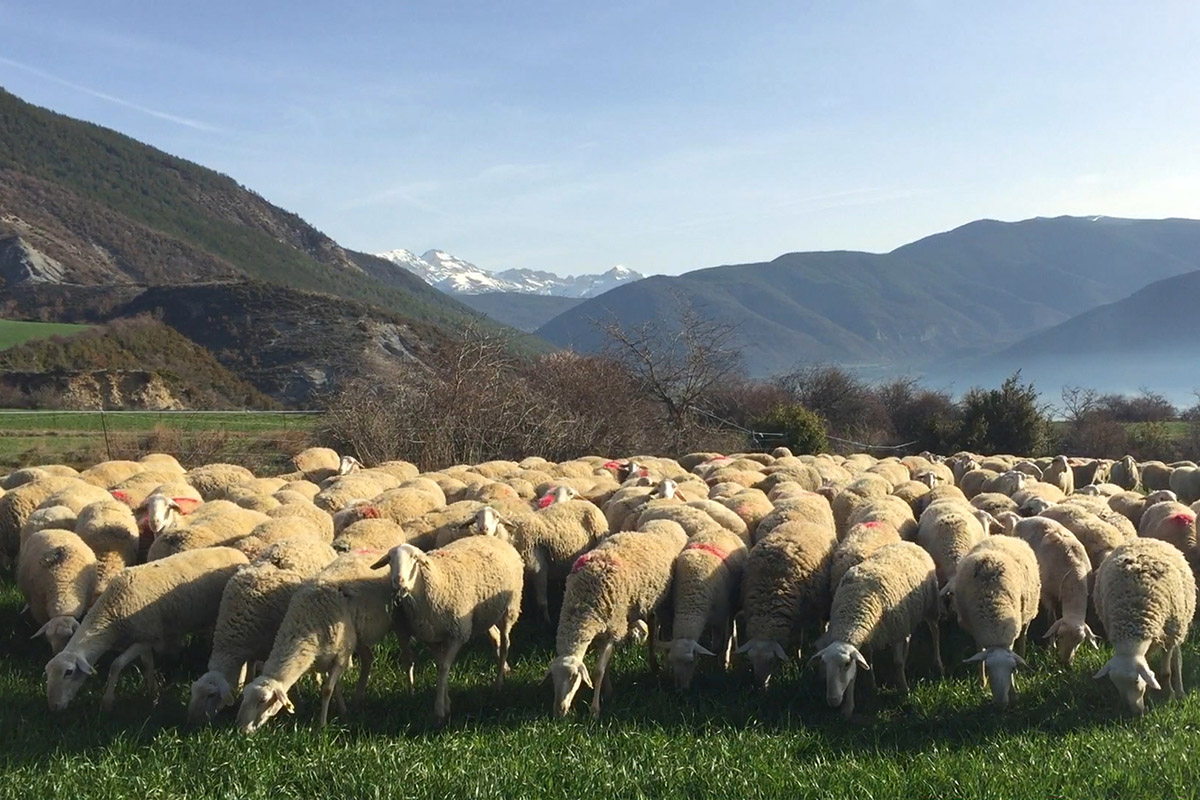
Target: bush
803,430
1005,420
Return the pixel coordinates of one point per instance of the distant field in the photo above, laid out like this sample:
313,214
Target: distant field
259,440
14,332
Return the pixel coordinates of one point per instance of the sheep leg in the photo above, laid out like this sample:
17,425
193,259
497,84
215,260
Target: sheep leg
936,636
327,687
441,703
149,676
504,631
364,672
541,583
1177,670
601,679
900,658
723,637
651,638
114,673
405,660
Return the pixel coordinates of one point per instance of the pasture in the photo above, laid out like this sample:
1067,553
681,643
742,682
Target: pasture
1064,737
14,332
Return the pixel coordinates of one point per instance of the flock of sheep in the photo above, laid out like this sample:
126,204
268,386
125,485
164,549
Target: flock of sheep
705,556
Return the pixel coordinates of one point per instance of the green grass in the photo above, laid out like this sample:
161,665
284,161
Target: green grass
14,332
1064,738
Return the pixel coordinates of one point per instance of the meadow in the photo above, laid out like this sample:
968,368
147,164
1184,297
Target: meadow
14,332
1065,737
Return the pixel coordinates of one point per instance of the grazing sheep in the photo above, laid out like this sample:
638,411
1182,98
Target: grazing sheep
252,608
707,585
1097,536
215,523
59,517
1008,483
624,582
785,590
307,511
19,502
861,491
145,609
315,464
268,533
808,508
934,495
948,530
1155,475
751,505
1099,506
995,593
110,530
1185,483
1146,597
994,503
862,540
108,474
341,611
56,573
878,604
454,593
1171,522
973,482
376,534
211,480
162,462
891,510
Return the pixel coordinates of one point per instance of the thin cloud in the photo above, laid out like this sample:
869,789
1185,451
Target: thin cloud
175,118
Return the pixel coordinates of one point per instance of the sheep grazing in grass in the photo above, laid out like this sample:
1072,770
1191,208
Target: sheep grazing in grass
56,572
948,530
1145,595
878,604
110,530
145,609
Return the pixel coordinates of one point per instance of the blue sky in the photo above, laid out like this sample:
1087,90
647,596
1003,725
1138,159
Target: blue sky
666,136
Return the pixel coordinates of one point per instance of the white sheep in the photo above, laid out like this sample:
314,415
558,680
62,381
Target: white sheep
948,529
56,572
215,523
252,608
1059,474
859,542
626,580
995,592
145,609
342,611
211,480
1145,596
785,589
878,604
452,594
110,530
1171,522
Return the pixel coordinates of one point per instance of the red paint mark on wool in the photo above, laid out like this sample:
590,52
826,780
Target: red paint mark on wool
708,548
363,551
643,473
613,465
546,501
369,512
587,558
120,495
872,524
1182,518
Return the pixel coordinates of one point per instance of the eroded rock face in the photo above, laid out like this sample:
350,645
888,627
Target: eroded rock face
20,263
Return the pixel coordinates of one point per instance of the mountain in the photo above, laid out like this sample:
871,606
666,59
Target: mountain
458,277
525,312
90,216
965,292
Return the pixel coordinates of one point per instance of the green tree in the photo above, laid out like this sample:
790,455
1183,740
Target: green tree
1010,419
804,430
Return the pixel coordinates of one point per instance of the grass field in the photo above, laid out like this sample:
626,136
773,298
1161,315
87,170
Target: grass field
14,332
1064,738
259,440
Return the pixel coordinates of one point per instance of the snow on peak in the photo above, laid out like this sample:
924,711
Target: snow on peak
457,276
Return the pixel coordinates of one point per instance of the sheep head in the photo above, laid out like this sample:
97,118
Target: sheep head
65,673
765,656
999,663
210,693
1131,675
1161,496
58,631
406,562
840,662
1067,637
681,654
262,699
348,464
162,513
568,673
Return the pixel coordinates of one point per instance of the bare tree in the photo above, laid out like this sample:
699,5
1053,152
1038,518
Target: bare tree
1078,403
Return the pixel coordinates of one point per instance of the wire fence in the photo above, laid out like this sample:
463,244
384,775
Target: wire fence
264,441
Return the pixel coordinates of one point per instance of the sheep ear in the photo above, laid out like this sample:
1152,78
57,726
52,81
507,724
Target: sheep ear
41,631
84,666
1090,636
1053,630
383,562
1103,670
281,697
980,656
862,662
778,650
741,651
1148,676
702,650
1020,661
583,673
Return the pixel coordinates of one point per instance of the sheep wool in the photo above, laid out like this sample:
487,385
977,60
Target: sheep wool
56,573
111,531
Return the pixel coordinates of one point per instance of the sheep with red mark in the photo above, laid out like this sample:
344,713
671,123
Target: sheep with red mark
1171,522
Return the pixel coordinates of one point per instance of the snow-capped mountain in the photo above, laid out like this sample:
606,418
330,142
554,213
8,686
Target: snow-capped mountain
456,276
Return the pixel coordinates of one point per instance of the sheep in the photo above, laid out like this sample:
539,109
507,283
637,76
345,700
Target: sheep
1100,507
707,583
910,491
693,520
162,507
306,511
1132,505
1145,596
22,476
621,584
211,480
948,530
341,611
306,489
994,503
56,573
162,462
934,495
59,517
723,516
972,483
1125,473
399,505
215,523
444,525
785,588
268,533
865,488
108,474
995,592
1029,468
751,505
314,464
891,510
110,530
134,491
809,507
1185,483
252,608
1088,471
1097,536
861,540
1171,522
145,609
622,509
250,498
1037,489
1155,475
76,496
1059,474
19,502
360,485
454,593
1008,483
551,540
878,604
1064,569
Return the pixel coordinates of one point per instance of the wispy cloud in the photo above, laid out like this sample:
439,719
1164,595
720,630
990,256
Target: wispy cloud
409,194
163,115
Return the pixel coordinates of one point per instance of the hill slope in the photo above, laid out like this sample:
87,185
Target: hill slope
960,292
526,312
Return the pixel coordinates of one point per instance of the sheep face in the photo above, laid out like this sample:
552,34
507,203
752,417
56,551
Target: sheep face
262,699
162,513
840,661
210,694
1161,496
1131,675
487,522
1035,506
348,464
682,657
1067,638
999,663
58,631
65,673
406,563
765,655
567,672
